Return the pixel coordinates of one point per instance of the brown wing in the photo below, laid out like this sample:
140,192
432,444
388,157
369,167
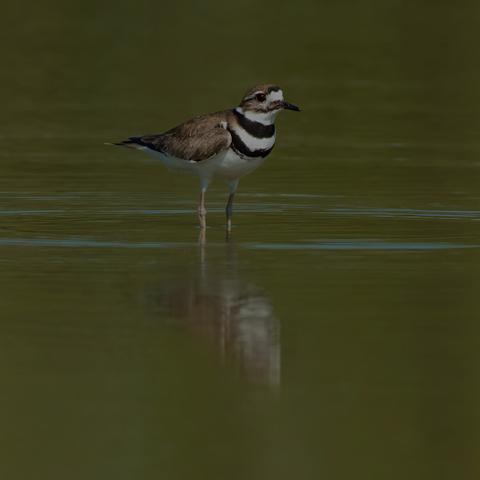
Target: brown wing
198,139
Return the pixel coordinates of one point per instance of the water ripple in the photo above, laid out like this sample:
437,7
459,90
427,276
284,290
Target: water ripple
404,212
317,245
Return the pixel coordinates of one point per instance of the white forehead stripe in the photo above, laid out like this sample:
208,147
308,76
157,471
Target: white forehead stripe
273,96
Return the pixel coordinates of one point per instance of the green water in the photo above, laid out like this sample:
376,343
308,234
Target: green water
335,336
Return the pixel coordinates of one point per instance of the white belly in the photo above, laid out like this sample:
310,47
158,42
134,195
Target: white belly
227,165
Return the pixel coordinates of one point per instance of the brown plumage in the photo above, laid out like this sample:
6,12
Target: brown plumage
198,139
265,88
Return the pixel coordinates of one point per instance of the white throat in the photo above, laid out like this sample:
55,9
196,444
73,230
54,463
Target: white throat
266,118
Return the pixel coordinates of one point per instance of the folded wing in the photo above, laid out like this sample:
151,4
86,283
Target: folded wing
196,140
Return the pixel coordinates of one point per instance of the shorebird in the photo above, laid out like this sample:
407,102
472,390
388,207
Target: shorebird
225,145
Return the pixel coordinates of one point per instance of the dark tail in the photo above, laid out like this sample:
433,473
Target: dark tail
132,142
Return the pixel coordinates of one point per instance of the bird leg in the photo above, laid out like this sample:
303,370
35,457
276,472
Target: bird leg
229,212
202,212
202,239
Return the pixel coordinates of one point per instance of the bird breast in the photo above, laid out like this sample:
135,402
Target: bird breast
251,146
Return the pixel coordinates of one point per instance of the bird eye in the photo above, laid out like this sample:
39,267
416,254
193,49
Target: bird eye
260,98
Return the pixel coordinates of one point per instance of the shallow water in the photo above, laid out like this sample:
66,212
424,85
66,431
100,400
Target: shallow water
333,335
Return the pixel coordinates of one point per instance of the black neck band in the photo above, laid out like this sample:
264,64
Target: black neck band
255,129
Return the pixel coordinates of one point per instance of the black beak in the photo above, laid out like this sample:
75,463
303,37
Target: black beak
289,106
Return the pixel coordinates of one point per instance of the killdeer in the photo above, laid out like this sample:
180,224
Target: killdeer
225,145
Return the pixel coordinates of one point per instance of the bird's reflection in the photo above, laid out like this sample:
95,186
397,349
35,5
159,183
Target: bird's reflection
228,313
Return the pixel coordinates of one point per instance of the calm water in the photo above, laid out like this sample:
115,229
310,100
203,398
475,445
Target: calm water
335,336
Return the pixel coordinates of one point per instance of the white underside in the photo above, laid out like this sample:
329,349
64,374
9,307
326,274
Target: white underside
227,165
